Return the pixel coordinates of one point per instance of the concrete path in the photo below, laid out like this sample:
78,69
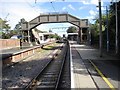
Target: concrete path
80,78
79,74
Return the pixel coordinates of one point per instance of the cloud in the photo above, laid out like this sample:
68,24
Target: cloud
92,12
84,7
70,6
92,15
67,7
19,10
26,0
95,2
84,1
64,8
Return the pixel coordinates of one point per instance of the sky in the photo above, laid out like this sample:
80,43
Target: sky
14,10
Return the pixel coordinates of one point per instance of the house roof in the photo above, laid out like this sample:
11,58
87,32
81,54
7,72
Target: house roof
72,33
46,33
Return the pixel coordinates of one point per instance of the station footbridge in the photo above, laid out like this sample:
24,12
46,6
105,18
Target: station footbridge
82,24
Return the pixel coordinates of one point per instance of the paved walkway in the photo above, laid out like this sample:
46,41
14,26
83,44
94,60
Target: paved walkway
79,74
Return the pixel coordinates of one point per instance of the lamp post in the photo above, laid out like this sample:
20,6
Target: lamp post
100,28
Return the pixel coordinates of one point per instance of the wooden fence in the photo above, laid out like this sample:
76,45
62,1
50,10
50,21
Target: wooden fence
9,43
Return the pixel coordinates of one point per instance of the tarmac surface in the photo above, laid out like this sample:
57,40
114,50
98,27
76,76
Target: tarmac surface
84,74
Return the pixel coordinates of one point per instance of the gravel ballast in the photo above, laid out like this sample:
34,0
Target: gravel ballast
19,75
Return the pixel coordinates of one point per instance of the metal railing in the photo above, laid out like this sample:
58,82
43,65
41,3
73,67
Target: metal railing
50,13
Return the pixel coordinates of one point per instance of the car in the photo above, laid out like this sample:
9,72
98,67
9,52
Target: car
16,37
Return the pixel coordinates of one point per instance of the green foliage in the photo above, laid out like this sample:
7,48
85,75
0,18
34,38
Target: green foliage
57,37
51,36
6,33
18,28
72,30
94,32
54,36
50,30
111,27
38,31
9,35
4,29
95,29
4,24
112,24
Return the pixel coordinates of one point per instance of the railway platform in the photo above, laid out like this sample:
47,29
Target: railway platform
9,56
80,77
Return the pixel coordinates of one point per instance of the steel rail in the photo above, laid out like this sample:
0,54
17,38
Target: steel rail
61,69
35,79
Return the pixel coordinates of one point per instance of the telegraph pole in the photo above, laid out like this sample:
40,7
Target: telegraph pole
100,28
116,37
107,29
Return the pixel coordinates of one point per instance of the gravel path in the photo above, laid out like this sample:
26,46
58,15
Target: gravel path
20,75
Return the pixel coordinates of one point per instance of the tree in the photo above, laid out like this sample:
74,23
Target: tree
50,30
18,26
72,29
54,36
95,30
112,25
38,31
4,27
94,33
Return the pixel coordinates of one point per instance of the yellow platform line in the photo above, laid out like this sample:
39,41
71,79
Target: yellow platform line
103,77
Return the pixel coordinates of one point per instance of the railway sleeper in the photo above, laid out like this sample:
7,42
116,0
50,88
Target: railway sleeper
49,73
50,76
45,82
44,86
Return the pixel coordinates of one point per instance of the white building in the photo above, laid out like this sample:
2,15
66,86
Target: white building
44,37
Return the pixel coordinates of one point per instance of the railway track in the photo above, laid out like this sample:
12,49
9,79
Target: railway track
50,75
17,76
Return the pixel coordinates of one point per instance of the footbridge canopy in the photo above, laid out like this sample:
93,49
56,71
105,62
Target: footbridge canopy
54,18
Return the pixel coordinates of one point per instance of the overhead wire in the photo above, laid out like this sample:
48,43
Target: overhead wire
29,4
33,7
53,6
35,1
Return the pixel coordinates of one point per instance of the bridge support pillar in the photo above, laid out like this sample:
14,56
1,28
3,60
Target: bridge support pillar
29,35
81,35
